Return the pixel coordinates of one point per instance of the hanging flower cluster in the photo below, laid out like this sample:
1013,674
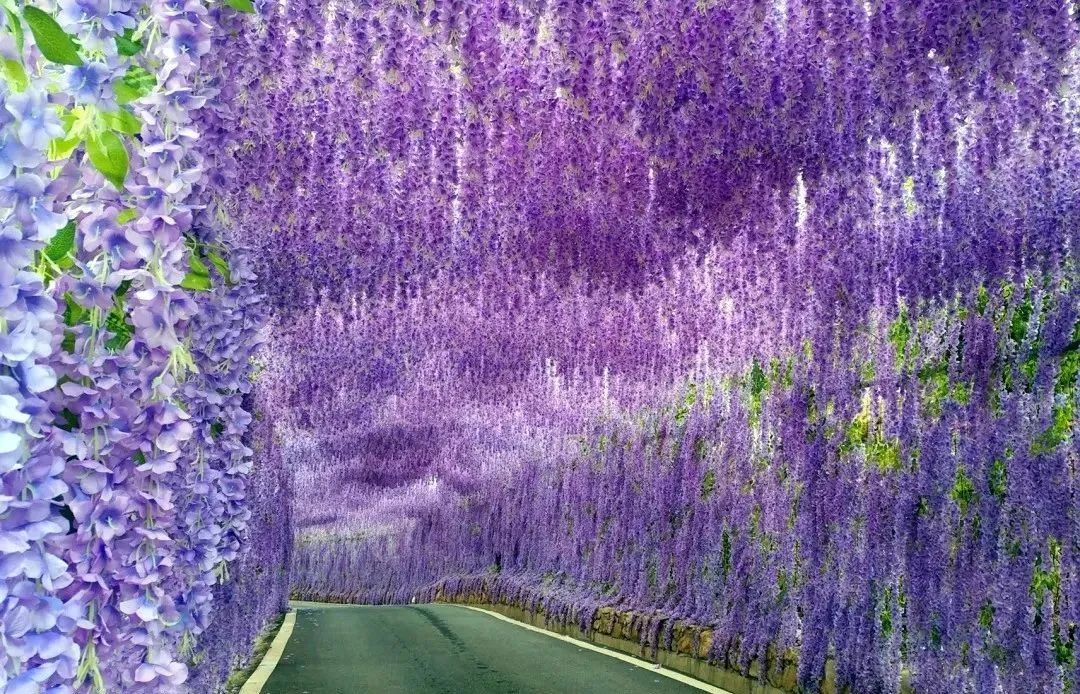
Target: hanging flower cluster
758,314
129,322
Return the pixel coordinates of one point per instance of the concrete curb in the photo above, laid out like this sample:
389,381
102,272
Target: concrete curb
644,664
262,673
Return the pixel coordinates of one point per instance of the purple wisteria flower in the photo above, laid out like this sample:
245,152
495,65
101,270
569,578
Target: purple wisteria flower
36,124
112,15
187,39
756,316
25,194
89,84
13,153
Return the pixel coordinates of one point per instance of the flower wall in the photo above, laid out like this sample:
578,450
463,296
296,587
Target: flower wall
759,314
129,318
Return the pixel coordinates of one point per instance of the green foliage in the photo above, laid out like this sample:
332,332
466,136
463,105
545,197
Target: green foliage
61,249
136,84
935,390
986,616
907,193
67,420
682,410
1064,645
122,121
708,484
982,300
198,277
963,491
116,321
15,74
56,45
245,6
14,24
783,585
997,479
122,331
865,435
109,156
1070,366
126,45
1047,581
886,613
900,335
1021,318
725,554
198,280
1064,412
935,636
759,383
1057,432
867,372
222,267
62,147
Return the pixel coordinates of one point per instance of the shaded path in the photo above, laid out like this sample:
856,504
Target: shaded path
443,649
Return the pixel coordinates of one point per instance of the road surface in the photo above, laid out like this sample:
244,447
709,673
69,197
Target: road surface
443,649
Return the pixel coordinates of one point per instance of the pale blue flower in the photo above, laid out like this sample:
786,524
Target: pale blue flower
37,123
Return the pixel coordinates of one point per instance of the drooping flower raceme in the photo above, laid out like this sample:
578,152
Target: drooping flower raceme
101,179
761,315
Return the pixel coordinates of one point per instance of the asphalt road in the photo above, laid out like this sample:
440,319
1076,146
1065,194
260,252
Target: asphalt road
443,649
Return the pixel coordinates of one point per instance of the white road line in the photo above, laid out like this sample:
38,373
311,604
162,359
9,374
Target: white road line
644,664
258,679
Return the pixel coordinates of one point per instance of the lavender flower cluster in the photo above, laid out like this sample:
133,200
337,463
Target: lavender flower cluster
761,315
129,316
758,314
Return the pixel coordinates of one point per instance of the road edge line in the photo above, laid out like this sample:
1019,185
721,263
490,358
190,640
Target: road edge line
262,673
643,664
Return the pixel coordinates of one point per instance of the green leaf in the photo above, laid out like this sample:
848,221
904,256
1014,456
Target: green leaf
241,5
220,264
52,41
135,84
15,74
68,343
108,155
126,216
62,245
15,26
196,282
125,94
198,277
68,420
123,121
117,323
61,148
73,312
126,45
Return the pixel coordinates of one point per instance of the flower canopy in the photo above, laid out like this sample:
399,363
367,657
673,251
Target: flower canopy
761,315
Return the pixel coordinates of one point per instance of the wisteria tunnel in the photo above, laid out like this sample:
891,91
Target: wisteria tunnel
743,332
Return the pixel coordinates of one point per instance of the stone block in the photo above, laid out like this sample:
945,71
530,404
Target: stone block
704,644
682,638
605,620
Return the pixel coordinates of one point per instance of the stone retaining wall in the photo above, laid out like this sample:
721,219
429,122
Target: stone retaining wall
621,631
